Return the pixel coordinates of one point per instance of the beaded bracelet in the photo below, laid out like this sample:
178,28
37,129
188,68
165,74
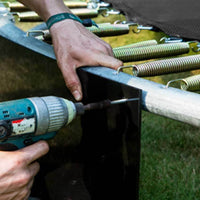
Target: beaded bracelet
62,16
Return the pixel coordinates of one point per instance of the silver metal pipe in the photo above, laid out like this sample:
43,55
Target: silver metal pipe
169,102
156,98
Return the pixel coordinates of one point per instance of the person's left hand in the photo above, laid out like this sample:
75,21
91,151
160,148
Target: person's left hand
75,47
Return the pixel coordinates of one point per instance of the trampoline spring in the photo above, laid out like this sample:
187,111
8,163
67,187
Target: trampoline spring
139,44
104,29
15,6
191,83
19,7
30,16
166,66
150,52
107,29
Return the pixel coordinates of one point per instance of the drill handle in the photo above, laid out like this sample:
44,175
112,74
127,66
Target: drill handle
21,142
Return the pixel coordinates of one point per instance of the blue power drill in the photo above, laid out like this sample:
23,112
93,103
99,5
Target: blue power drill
25,121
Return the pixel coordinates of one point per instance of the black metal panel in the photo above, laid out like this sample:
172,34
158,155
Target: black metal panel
110,146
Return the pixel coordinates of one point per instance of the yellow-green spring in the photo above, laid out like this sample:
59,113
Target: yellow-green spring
191,83
31,16
139,44
166,66
18,7
150,52
107,29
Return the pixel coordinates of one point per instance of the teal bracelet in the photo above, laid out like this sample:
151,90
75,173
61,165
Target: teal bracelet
61,16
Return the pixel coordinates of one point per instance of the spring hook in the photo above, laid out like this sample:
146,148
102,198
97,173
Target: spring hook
126,22
171,39
150,52
172,81
105,12
130,23
123,67
166,66
191,83
141,27
113,12
196,48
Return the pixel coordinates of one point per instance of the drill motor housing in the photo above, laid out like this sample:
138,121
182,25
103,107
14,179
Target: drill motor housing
25,121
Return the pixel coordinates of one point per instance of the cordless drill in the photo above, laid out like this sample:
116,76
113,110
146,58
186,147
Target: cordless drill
25,121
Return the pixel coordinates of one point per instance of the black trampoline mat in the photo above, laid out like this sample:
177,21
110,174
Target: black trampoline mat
180,18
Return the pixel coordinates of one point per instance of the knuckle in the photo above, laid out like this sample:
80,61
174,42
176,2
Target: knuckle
44,145
23,179
108,46
72,84
18,161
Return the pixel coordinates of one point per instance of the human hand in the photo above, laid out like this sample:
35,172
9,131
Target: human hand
75,47
18,169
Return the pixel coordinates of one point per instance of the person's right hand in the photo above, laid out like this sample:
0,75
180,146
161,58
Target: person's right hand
18,169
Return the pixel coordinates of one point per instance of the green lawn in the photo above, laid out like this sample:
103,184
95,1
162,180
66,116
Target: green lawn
170,150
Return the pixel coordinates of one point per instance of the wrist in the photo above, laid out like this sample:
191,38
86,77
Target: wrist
60,17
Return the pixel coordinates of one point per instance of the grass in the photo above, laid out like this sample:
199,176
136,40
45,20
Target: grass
169,160
170,150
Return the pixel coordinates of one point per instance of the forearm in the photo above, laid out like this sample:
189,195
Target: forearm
46,8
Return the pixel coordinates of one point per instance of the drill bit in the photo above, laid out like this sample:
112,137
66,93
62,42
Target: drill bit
106,103
81,108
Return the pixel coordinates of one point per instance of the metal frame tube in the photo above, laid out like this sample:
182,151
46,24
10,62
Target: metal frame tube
169,102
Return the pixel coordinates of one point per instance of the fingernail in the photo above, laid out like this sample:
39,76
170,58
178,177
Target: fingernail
77,95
